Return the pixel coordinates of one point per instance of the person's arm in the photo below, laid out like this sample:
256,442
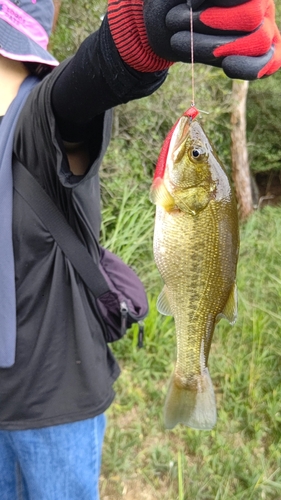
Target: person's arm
95,80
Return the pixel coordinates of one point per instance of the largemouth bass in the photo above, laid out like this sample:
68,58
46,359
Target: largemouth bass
196,242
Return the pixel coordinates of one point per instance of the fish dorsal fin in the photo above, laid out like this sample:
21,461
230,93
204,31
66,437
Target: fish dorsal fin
163,305
231,307
159,195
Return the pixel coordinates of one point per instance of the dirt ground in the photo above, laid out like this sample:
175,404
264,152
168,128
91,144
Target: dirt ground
131,490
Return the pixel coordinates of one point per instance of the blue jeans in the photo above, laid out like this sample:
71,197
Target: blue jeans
54,463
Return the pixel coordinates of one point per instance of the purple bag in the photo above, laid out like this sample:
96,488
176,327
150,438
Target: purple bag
125,303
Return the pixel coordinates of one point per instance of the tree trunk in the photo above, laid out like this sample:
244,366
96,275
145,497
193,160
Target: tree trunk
239,153
57,4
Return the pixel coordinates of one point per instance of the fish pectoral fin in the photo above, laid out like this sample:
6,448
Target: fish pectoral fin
231,307
193,200
163,305
159,195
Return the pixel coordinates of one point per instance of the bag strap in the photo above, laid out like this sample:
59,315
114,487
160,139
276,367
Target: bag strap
37,198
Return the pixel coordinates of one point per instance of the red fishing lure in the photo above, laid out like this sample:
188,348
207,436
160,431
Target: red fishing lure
191,112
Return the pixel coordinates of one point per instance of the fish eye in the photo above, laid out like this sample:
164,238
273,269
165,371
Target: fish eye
197,153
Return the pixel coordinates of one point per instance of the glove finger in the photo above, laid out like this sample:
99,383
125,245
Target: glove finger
203,47
248,17
275,63
246,68
255,44
178,19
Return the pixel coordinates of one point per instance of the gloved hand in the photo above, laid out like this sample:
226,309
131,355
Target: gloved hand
241,36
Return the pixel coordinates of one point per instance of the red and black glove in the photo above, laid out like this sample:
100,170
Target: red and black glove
128,30
240,36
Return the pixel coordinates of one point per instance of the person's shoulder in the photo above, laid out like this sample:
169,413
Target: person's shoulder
53,75
40,97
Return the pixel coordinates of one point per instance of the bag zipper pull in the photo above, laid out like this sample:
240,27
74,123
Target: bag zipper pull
141,334
124,314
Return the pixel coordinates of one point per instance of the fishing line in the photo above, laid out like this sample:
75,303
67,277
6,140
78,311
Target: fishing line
192,57
189,3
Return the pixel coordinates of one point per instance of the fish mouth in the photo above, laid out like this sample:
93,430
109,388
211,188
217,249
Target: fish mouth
182,132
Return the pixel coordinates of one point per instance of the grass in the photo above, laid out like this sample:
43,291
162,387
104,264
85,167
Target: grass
241,457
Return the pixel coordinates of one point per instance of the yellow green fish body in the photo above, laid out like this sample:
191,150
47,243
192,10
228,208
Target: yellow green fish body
196,242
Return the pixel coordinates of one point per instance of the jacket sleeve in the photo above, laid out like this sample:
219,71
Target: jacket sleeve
96,79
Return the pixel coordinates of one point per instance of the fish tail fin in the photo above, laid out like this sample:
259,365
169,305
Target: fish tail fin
195,408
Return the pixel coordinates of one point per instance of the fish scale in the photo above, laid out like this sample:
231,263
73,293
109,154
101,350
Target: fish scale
196,243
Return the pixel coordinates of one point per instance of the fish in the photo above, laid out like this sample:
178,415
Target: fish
195,246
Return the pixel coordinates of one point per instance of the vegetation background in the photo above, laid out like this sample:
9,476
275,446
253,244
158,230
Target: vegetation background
241,457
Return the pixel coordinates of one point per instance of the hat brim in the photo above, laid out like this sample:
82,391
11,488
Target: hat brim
15,45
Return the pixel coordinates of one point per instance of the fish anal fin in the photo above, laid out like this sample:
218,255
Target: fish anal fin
159,195
163,305
230,310
193,408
